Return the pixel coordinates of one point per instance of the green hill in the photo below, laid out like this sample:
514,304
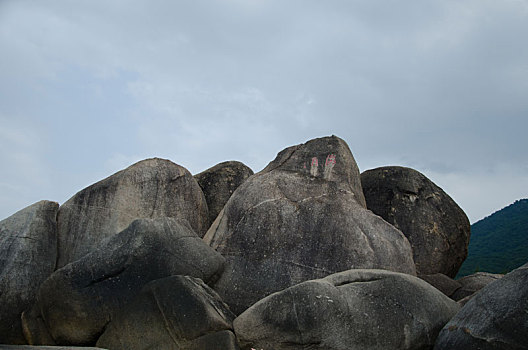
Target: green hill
499,242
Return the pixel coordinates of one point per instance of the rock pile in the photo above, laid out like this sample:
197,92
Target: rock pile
292,258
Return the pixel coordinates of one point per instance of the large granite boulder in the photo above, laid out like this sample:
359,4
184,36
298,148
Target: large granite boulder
219,182
437,228
148,189
77,301
302,217
356,309
471,284
28,252
173,313
495,318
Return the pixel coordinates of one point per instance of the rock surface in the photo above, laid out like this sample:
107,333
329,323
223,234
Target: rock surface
473,283
356,309
30,347
219,182
445,284
28,251
76,302
148,189
437,228
302,217
495,318
172,313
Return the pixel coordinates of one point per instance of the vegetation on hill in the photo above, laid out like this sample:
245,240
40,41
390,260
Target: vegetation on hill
499,242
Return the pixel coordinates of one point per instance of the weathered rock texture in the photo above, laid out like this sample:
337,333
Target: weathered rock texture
30,347
76,302
437,228
28,250
496,318
302,217
173,313
219,182
356,309
445,284
473,283
148,189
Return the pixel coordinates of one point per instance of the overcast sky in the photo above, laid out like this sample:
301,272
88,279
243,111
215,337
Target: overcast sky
89,87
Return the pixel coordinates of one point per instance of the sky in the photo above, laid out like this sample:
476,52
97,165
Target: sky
89,87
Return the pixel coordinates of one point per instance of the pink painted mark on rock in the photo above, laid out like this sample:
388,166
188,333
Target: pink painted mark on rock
329,165
330,159
314,169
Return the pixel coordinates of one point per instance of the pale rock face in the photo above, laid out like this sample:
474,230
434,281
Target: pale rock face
151,188
355,309
28,251
437,228
302,217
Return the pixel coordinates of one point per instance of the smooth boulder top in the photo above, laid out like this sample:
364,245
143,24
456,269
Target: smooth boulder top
76,302
289,224
355,309
496,318
219,182
148,189
437,228
325,158
171,313
28,248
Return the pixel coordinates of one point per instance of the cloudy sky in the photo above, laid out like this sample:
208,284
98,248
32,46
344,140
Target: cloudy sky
89,87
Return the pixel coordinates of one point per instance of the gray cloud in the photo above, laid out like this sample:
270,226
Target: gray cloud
439,86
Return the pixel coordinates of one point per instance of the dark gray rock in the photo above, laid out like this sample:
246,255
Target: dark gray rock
173,313
473,283
437,228
356,309
77,301
445,284
219,182
30,347
495,318
294,222
28,251
148,189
